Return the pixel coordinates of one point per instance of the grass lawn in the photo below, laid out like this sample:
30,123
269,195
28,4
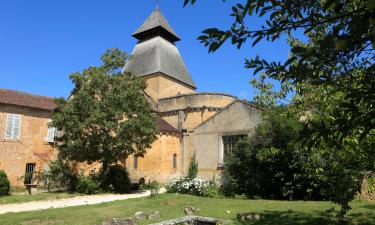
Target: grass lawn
24,197
171,205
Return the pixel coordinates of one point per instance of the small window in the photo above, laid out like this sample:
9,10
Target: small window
229,143
174,161
51,133
12,130
29,173
135,162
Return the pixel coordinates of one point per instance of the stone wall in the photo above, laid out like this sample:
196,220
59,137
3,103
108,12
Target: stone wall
239,118
157,163
194,100
160,86
190,110
31,146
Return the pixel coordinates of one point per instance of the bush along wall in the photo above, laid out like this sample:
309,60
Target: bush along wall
4,183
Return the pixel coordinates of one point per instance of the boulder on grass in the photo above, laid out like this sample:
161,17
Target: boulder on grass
120,221
154,215
190,210
140,215
248,216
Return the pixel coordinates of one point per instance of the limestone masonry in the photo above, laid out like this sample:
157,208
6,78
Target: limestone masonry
206,125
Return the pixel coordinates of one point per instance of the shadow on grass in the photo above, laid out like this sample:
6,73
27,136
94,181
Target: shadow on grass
369,206
313,218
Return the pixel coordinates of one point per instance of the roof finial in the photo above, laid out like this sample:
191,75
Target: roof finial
157,4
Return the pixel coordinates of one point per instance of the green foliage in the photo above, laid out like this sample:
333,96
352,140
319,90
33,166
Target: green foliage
87,185
4,183
212,191
59,175
117,180
107,116
228,187
193,168
371,185
154,186
329,73
272,164
272,212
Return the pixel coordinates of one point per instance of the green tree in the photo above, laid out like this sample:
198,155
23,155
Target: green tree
107,117
329,72
4,184
193,168
273,164
340,40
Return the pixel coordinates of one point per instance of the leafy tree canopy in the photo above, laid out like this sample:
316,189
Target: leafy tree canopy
107,117
329,73
338,53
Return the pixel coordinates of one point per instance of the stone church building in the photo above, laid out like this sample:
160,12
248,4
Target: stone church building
205,125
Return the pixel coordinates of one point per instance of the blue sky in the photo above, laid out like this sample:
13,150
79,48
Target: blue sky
43,41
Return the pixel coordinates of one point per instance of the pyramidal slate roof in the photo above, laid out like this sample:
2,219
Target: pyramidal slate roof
156,24
156,51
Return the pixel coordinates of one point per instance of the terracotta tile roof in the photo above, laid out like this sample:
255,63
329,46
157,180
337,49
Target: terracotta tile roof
163,125
24,99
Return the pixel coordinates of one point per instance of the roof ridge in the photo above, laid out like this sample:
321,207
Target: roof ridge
13,97
26,93
199,93
225,108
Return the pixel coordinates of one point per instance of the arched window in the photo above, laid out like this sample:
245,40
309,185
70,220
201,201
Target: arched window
135,162
174,161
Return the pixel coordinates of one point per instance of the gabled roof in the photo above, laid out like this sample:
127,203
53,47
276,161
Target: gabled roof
163,125
156,24
27,100
226,108
158,55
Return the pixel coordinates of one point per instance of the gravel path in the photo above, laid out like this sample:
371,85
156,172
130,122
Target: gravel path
76,201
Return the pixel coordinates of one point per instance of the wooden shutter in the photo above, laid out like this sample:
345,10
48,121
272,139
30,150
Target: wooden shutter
51,134
9,127
16,127
13,126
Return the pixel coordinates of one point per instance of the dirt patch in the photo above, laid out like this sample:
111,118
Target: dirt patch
170,202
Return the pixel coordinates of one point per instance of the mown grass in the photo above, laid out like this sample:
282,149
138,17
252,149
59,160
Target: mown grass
24,197
171,206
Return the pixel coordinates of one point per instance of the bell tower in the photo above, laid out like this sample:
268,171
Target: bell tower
157,59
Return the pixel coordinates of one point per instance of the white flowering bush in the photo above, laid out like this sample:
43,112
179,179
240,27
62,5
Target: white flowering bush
184,185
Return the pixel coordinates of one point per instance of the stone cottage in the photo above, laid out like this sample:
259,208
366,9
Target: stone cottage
206,125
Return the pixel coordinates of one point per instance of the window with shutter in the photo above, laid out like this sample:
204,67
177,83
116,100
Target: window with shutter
51,133
12,130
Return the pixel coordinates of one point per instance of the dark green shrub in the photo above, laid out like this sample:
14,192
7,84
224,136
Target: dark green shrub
135,187
87,185
212,191
154,187
117,180
4,183
371,185
228,186
59,175
193,168
273,163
